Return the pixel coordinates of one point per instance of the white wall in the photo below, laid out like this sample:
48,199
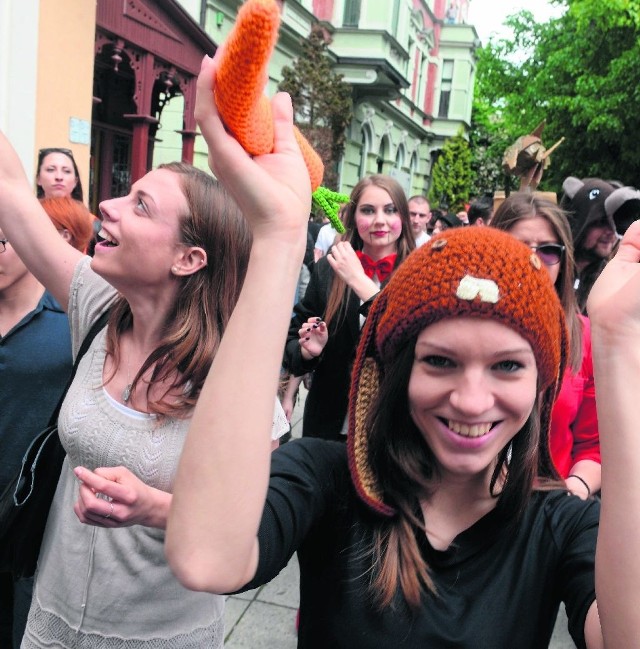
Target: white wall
18,75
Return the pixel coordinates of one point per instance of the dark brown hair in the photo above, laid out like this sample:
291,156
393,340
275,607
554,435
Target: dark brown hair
77,192
522,205
194,327
400,456
339,294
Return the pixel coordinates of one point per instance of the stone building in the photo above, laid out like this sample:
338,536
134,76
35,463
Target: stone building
411,68
115,81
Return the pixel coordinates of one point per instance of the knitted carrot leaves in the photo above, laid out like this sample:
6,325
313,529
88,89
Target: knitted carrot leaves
244,108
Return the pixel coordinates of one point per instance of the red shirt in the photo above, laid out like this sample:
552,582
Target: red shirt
574,421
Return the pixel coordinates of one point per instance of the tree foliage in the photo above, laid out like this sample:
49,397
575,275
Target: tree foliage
580,72
451,176
487,143
321,101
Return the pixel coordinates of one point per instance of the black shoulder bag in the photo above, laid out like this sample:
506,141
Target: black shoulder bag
25,502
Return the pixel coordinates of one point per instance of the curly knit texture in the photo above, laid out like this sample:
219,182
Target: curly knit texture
466,272
240,82
329,202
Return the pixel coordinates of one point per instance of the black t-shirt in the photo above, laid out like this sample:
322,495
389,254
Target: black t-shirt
498,585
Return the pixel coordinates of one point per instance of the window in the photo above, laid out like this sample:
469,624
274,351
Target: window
381,155
445,88
400,157
413,168
395,17
365,147
351,16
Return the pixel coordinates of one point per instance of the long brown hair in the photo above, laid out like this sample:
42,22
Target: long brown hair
400,457
520,206
340,292
194,326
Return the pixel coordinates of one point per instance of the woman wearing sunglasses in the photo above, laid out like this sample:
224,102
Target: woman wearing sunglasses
574,437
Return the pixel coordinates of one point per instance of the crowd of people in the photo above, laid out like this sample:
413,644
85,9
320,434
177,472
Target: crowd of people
468,433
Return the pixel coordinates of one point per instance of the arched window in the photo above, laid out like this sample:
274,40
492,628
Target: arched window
382,152
413,168
365,147
400,156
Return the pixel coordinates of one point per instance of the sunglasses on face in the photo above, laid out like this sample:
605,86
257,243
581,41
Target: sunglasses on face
549,254
45,152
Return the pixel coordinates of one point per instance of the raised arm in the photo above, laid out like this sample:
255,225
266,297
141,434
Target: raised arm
29,230
614,310
222,479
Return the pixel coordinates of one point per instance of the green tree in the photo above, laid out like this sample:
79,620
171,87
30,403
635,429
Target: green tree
580,72
451,176
322,102
487,143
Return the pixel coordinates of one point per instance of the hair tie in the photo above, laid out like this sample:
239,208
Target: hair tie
584,482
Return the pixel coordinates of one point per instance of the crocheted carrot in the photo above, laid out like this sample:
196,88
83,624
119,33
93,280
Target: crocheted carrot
244,108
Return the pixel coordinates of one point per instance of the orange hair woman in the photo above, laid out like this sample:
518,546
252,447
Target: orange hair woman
72,219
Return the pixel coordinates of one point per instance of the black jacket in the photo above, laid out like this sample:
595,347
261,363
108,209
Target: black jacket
327,401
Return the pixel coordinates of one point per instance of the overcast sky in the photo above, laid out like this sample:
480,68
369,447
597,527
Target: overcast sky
487,15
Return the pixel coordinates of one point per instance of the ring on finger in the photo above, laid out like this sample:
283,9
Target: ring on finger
110,511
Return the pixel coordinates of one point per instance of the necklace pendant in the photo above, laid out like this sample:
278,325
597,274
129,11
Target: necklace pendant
126,393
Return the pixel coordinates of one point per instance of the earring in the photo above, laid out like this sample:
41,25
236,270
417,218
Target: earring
174,270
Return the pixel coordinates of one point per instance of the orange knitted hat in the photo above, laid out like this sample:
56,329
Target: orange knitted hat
477,272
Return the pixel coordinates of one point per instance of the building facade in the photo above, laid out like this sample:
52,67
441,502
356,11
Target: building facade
410,63
94,76
114,81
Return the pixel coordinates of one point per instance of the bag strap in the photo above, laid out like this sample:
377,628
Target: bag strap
97,326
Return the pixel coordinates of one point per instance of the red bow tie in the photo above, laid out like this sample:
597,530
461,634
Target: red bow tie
382,268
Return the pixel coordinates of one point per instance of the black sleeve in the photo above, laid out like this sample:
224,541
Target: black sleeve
575,525
307,477
308,260
313,304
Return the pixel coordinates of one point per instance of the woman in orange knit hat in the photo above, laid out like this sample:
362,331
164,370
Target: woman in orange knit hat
442,522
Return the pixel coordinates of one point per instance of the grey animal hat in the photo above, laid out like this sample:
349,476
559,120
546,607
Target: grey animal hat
593,200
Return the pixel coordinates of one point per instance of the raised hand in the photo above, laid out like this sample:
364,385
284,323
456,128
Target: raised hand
614,301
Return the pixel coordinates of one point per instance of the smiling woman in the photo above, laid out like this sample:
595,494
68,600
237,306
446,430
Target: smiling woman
443,522
169,267
471,389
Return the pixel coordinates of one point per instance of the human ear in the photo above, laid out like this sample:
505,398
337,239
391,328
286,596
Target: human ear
190,261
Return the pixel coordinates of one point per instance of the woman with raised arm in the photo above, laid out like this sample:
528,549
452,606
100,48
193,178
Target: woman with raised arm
169,265
442,522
